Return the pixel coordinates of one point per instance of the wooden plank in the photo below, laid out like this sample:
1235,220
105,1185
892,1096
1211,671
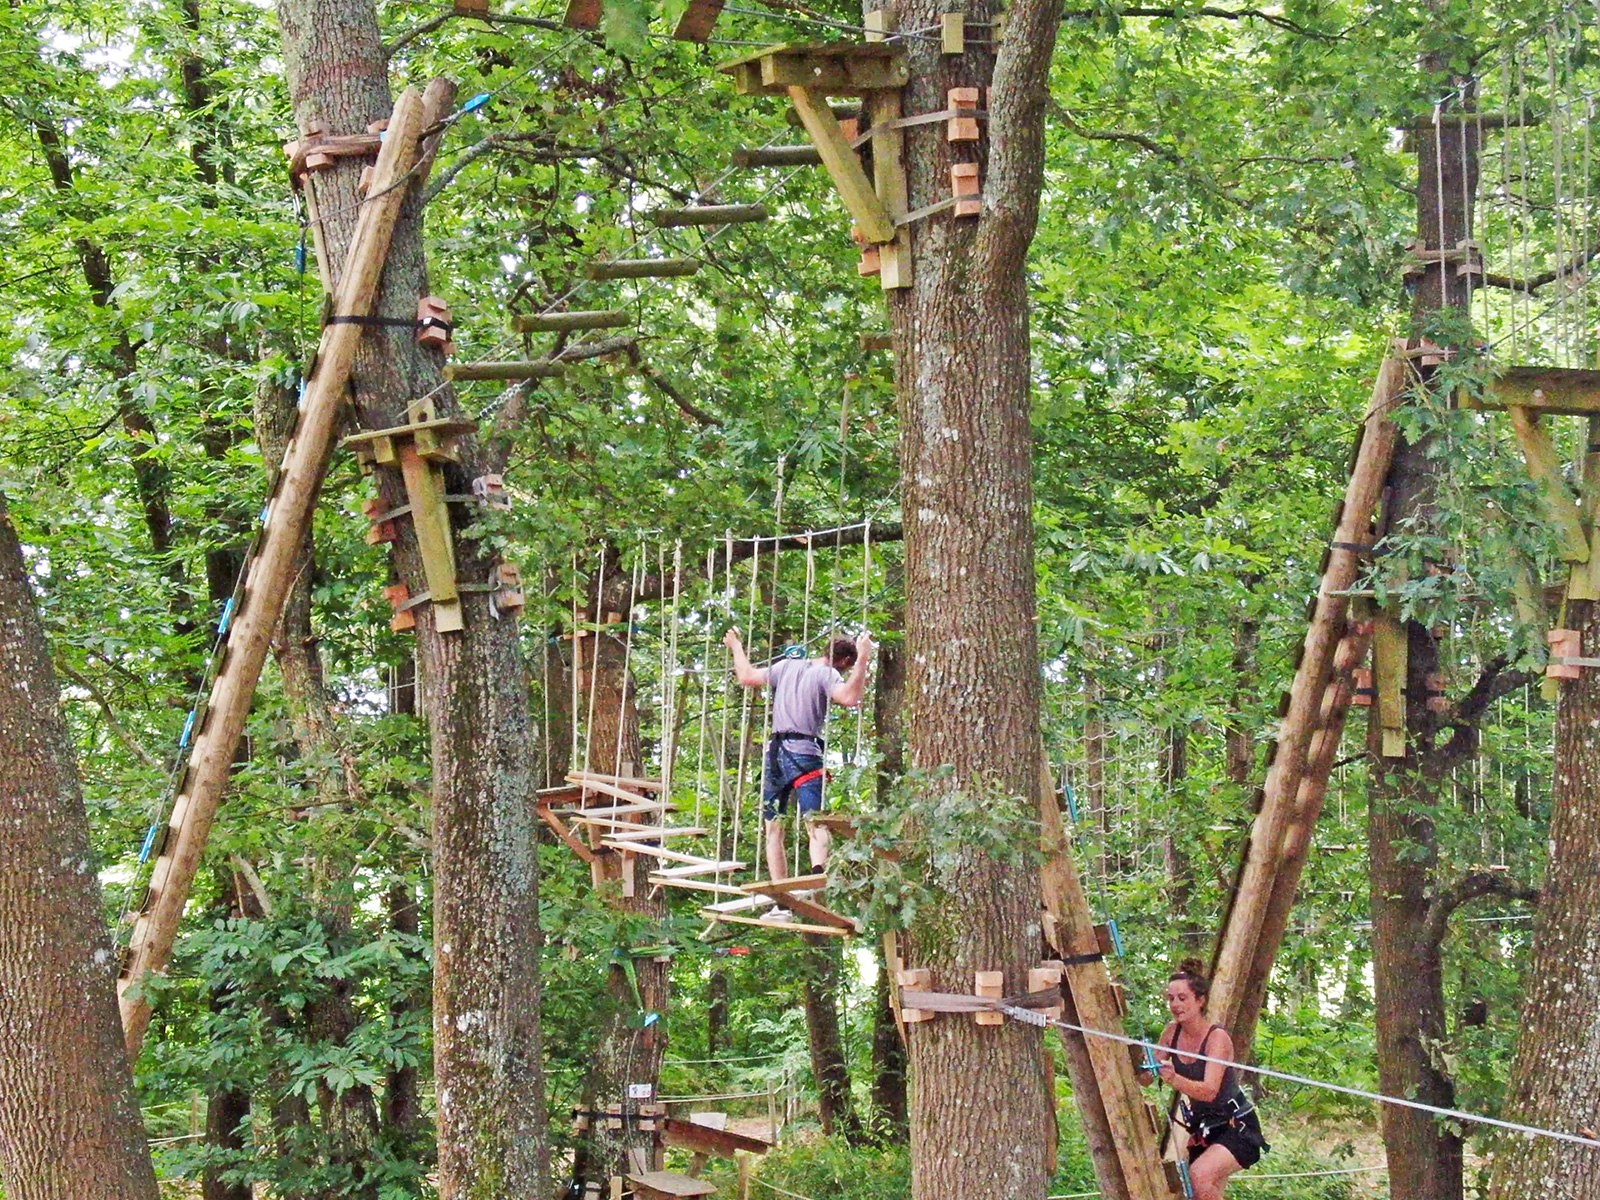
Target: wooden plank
1565,391
560,829
608,789
620,833
1137,1153
741,904
768,923
562,322
614,810
889,180
839,824
583,14
1390,653
660,852
1544,467
697,885
709,214
540,368
707,1139
843,165
698,20
952,33
1240,943
721,868
782,887
430,518
669,1185
813,911
211,758
648,785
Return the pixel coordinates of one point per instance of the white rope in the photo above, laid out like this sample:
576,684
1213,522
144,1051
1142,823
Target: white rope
577,660
866,579
766,693
744,707
594,661
727,704
669,753
705,701
635,578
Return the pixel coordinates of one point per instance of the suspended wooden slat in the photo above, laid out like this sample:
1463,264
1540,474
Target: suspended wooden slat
703,868
643,268
698,20
710,214
699,885
538,369
621,833
771,923
583,14
649,785
777,156
560,322
781,887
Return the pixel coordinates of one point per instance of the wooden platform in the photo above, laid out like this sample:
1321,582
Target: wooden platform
833,68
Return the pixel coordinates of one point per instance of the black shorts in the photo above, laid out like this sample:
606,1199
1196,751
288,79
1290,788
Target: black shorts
1241,1138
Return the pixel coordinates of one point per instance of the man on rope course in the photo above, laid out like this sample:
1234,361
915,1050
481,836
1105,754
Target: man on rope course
801,690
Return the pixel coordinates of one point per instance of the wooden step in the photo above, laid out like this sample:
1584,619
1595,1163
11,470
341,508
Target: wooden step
643,268
777,156
621,833
561,322
601,787
614,810
742,904
657,879
541,368
704,1138
705,868
808,908
657,852
769,923
648,785
709,214
698,20
781,887
668,1185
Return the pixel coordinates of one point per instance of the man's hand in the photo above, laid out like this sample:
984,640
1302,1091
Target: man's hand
731,638
865,647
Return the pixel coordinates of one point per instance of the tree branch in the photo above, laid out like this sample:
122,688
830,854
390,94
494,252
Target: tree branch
1222,14
117,730
1532,284
1493,682
1471,886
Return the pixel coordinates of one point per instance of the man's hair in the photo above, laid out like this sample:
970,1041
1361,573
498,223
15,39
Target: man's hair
842,653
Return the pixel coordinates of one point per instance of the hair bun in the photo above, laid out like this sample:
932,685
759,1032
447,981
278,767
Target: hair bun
1192,966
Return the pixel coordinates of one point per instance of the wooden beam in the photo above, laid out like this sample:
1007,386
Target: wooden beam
768,923
282,537
705,1139
1544,467
889,181
843,164
1565,391
697,885
561,322
812,911
1241,943
1390,655
561,830
698,20
777,156
832,68
709,214
1137,1153
782,887
644,785
430,517
541,368
643,268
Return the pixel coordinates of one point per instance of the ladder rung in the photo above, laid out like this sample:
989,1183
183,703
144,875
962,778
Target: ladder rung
646,833
560,322
643,268
540,369
710,214
699,885
722,868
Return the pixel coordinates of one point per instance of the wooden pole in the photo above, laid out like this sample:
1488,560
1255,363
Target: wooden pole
1136,1164
267,582
1242,948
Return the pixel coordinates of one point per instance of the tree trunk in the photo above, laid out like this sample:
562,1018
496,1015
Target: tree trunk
716,1010
633,1037
888,1064
1555,1081
487,1047
973,687
1238,734
889,732
819,982
69,1119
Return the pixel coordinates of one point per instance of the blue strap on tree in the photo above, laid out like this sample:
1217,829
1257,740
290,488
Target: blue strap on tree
1183,1176
1116,938
1072,803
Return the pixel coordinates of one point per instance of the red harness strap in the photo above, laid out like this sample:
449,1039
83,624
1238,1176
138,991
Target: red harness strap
819,773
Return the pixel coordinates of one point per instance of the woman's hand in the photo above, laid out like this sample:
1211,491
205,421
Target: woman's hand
1167,1074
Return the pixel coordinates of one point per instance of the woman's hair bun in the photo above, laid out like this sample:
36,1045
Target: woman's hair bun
1192,966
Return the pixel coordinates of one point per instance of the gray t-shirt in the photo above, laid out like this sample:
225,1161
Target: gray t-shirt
801,692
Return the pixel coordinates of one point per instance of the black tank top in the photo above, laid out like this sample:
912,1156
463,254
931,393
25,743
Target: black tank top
1208,1112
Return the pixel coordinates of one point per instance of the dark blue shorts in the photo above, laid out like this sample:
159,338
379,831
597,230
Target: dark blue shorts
790,772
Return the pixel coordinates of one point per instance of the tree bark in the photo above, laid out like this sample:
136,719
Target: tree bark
70,1127
819,981
961,355
888,1065
889,733
1555,1080
487,1045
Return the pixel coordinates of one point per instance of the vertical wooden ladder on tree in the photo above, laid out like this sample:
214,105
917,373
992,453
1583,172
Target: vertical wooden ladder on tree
285,521
1302,759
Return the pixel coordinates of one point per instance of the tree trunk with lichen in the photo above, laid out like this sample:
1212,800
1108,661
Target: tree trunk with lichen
979,1094
70,1127
488,1069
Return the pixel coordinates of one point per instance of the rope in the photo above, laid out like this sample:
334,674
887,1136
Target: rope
634,579
744,710
705,701
669,757
727,708
766,693
577,658
594,660
866,580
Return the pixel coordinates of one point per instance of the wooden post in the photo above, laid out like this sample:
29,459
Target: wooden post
889,181
1390,656
1241,945
1137,1154
843,165
267,582
1545,469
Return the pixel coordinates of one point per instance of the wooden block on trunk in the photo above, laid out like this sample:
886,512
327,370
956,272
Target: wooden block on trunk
583,14
916,979
1564,643
1043,978
472,8
404,618
871,263
962,128
991,985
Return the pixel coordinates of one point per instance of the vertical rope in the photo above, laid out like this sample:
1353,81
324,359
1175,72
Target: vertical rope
635,577
727,704
544,659
866,580
772,656
577,659
594,659
705,696
669,757
744,704
811,580
1557,203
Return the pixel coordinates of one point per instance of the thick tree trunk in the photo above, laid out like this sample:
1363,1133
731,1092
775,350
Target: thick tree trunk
961,353
632,1042
889,731
1239,736
819,981
1555,1081
487,1050
69,1120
